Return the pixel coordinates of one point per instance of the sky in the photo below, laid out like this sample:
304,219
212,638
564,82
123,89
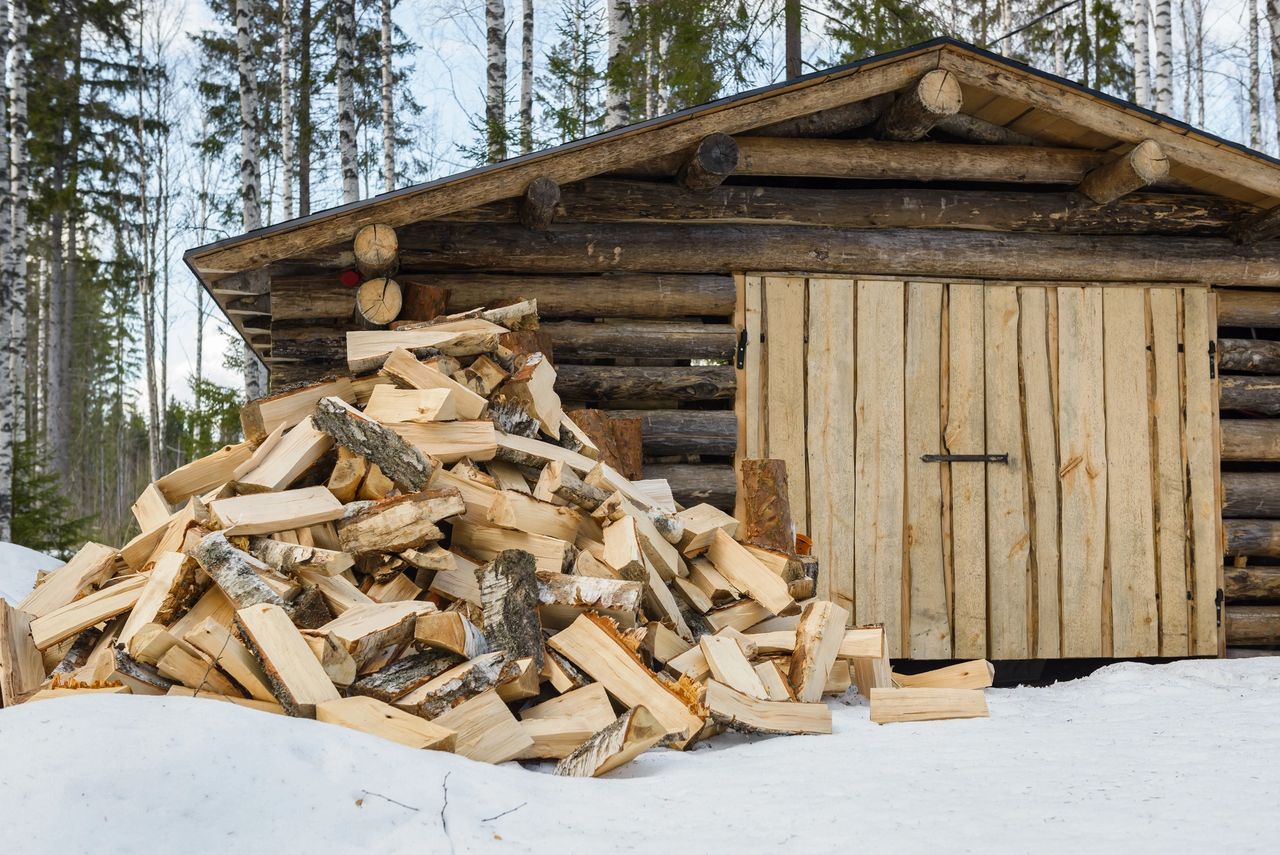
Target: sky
448,80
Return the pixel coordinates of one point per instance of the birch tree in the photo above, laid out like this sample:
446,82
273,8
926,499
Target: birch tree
1164,57
305,84
1141,55
1273,24
617,101
388,104
526,79
791,35
20,190
345,37
495,100
286,111
146,255
250,195
6,281
1252,23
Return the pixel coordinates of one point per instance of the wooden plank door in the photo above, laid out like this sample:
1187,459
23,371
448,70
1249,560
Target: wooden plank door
1097,533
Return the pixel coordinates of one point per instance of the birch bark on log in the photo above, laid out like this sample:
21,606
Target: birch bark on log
398,460
509,598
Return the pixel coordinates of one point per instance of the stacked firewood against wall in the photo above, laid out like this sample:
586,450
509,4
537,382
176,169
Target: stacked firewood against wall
437,553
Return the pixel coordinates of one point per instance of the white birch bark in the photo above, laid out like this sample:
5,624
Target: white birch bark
1059,49
617,104
388,105
286,111
1141,54
7,265
1273,24
526,79
1164,57
16,342
1198,34
345,35
250,207
495,102
146,255
651,61
1255,97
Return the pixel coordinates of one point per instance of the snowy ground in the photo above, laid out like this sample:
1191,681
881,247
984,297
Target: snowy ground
1136,758
18,567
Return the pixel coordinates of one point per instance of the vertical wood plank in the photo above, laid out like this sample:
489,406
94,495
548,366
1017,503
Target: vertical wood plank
878,511
1171,520
1206,555
1082,472
1041,430
831,435
784,399
752,373
1008,535
966,434
1131,555
930,621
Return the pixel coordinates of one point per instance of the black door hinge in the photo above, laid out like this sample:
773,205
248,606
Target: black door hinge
741,356
965,458
1213,362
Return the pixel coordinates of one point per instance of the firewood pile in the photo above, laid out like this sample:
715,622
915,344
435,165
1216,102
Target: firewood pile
438,554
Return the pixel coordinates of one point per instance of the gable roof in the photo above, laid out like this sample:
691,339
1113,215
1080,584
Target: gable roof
996,89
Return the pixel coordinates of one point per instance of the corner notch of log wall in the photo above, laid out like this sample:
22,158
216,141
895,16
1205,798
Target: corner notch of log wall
538,206
1143,166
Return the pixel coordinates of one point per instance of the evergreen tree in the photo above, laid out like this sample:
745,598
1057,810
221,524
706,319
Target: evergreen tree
572,90
874,26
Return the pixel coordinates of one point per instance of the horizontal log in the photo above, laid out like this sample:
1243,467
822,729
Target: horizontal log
1251,495
713,432
1251,584
1248,308
603,383
1250,439
575,340
1253,394
681,248
692,484
1253,355
617,201
1252,537
1253,625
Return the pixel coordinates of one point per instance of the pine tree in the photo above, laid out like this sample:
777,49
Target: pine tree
572,88
866,28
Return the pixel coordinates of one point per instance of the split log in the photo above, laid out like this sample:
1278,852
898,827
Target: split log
532,385
296,677
509,597
1251,495
347,475
224,650
421,301
692,484
201,476
618,440
459,684
291,558
747,574
538,205
554,738
563,596
1250,439
766,510
378,303
737,711
287,408
1253,626
482,376
699,524
401,677
141,679
633,733
658,549
21,667
175,583
1256,584
713,160
1260,309
190,668
727,664
89,568
1252,537
487,732
375,717
450,631
64,623
266,513
235,573
606,383
403,367
523,512
376,250
1253,394
642,340
352,430
914,113
561,481
892,705
394,525
367,350
299,449
486,543
375,634
978,674
818,638
1255,356
625,556
1145,164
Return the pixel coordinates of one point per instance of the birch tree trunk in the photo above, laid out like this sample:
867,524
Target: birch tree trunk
345,26
652,60
791,36
1189,81
526,79
1164,58
495,101
304,110
1273,22
1059,48
146,272
286,111
1198,33
7,265
1141,55
388,105
1255,98
617,102
250,195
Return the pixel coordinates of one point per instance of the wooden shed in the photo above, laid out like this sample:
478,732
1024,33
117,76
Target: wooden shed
980,311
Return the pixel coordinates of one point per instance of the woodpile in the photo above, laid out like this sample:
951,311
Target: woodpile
439,554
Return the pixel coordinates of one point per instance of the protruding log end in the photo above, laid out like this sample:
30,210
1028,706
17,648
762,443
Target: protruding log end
538,207
378,303
935,96
377,250
1143,166
714,160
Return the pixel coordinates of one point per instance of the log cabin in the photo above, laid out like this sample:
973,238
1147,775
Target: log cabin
1015,339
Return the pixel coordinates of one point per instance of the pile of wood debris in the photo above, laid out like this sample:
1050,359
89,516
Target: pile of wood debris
438,554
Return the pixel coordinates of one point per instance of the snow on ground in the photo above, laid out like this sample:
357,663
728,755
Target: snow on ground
1135,758
18,567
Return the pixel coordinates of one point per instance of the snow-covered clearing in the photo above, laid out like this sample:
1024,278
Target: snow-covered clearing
1136,758
18,568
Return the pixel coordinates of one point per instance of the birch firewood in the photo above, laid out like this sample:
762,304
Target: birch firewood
509,598
405,522
234,573
398,460
403,676
459,684
633,733
291,558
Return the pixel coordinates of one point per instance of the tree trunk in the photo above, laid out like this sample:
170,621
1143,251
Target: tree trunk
388,105
345,33
1273,21
250,195
526,80
8,266
617,102
1164,58
286,111
304,111
495,102
146,272
1141,55
1252,22
792,28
